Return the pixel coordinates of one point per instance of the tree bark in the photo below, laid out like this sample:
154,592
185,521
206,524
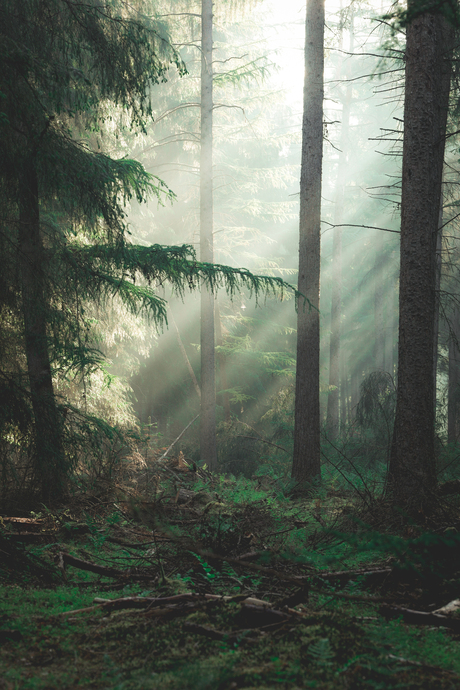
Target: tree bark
208,443
49,461
307,453
412,475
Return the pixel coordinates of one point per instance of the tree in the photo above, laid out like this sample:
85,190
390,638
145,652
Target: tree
208,441
60,58
66,68
306,460
412,474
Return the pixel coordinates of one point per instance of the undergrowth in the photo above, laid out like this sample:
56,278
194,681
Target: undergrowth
243,588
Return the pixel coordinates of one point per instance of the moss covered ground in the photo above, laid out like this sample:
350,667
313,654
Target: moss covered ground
207,583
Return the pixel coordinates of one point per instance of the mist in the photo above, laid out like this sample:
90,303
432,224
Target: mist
258,85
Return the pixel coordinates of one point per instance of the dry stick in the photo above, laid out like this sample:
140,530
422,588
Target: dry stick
411,662
299,581
66,559
264,440
178,438
168,603
421,617
261,438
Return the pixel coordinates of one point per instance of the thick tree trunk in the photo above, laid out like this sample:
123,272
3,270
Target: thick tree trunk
307,453
49,461
208,443
412,475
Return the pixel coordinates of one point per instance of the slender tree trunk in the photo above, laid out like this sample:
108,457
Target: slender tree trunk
307,452
379,303
332,421
49,461
208,443
222,360
454,377
412,475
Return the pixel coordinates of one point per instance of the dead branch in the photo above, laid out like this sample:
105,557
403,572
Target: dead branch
177,439
64,559
420,617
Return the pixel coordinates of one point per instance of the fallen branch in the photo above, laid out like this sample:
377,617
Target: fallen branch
177,439
67,559
349,574
297,580
429,667
420,617
64,559
177,601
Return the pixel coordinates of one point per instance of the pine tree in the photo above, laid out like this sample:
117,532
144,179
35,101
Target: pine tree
412,473
307,461
67,71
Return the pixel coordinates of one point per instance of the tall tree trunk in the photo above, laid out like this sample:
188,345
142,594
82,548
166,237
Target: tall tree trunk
307,452
454,377
208,443
49,460
412,475
332,421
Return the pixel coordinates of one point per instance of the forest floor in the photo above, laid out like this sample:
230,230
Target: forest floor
176,579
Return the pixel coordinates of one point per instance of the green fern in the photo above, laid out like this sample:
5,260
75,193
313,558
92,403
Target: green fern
320,651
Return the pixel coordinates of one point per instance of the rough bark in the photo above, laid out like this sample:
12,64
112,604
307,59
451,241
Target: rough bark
208,444
412,475
49,458
306,459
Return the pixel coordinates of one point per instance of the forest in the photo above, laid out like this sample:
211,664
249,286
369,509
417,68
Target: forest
229,344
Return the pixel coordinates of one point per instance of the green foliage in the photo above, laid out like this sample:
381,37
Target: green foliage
65,84
320,651
401,16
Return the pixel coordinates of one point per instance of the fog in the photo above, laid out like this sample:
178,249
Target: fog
258,86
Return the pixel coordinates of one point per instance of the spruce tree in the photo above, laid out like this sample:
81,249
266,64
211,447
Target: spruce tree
67,72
